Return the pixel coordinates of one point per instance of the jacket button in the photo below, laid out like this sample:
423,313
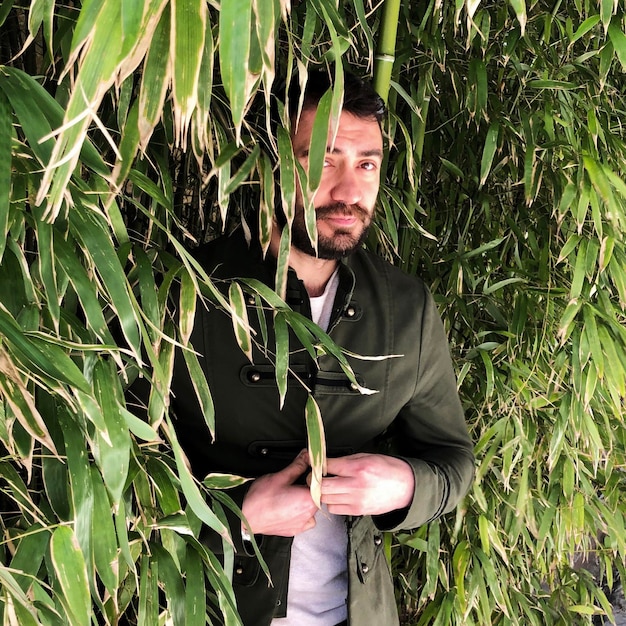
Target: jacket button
251,300
239,571
365,568
264,451
350,311
378,540
254,377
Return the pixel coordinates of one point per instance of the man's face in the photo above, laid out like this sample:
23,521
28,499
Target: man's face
345,199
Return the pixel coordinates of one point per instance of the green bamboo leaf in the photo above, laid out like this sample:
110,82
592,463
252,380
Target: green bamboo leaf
483,528
148,592
455,170
243,172
598,178
40,355
155,79
282,263
85,23
203,393
172,584
319,141
241,326
590,329
127,149
607,8
16,594
489,151
187,48
566,324
317,448
141,181
552,84
266,206
163,475
79,472
501,284
606,253
618,39
132,23
484,248
202,115
235,25
22,402
5,168
570,245
38,114
579,270
460,561
104,535
96,75
477,87
281,335
287,174
158,400
489,372
589,24
519,6
567,198
195,591
112,450
615,374
47,270
432,559
187,306
89,229
138,427
29,555
223,481
220,582
71,572
190,489
147,289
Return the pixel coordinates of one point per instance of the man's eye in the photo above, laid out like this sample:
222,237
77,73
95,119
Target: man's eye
369,166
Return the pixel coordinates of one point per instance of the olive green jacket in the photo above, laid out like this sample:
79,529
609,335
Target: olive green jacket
415,414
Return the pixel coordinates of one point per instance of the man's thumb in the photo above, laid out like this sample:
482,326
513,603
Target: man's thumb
295,469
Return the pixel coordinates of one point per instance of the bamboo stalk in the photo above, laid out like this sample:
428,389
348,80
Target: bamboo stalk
386,52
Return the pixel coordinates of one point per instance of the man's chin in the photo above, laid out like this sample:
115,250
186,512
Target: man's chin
339,247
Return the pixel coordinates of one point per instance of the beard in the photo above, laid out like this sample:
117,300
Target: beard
343,241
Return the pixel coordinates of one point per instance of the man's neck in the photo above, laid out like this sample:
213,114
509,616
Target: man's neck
313,272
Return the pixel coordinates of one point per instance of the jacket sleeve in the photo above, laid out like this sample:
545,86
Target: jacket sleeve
430,432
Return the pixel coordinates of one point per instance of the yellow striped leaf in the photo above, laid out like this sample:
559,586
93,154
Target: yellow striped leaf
317,448
188,29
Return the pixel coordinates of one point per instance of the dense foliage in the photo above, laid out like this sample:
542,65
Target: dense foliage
131,130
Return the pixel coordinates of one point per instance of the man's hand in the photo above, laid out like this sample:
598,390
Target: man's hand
275,506
367,484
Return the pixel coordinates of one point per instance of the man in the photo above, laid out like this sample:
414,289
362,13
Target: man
327,567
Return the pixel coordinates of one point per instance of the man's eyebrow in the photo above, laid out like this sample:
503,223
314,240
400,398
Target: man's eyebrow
374,152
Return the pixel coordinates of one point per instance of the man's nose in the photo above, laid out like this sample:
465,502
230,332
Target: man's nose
346,187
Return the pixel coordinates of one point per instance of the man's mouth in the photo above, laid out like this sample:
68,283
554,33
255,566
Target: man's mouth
344,220
342,216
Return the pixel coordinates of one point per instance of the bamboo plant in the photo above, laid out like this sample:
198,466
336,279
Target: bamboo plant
132,131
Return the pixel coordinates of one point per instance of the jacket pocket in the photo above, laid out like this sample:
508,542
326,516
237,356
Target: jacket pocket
246,570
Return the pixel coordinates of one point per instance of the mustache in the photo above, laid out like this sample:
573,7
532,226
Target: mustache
340,208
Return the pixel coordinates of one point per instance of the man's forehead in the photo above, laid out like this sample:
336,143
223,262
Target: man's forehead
365,131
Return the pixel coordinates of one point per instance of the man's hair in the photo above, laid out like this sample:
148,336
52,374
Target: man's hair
360,98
